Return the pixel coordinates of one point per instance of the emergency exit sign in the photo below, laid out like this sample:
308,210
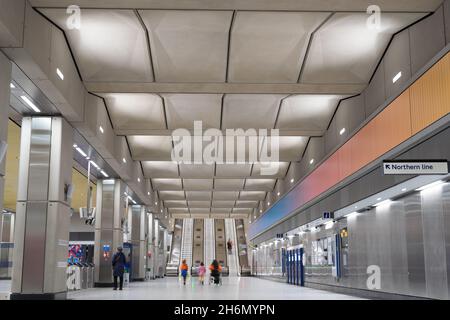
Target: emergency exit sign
419,167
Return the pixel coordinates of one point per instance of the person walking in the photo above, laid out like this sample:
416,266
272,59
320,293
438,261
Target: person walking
215,269
184,270
118,265
201,273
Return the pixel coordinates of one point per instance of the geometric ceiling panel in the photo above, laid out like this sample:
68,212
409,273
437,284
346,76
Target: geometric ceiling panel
346,50
198,184
198,195
171,195
199,210
252,195
175,204
199,204
196,171
223,204
178,210
184,109
246,204
167,184
291,148
160,169
269,47
233,170
135,111
152,148
260,184
188,46
110,46
245,111
308,112
228,184
245,211
225,195
270,170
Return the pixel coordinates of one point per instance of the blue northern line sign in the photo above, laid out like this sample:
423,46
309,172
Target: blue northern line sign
413,167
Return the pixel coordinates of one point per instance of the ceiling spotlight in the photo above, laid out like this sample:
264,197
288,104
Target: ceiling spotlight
30,104
279,193
101,129
268,203
342,131
139,179
378,199
81,151
404,189
124,160
148,193
260,211
312,161
292,180
12,86
60,74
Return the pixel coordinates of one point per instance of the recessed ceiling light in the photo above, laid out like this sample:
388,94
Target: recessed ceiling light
404,189
30,104
378,199
382,203
260,211
156,203
94,164
342,131
104,174
60,74
292,180
101,129
124,160
139,179
397,77
312,161
148,193
12,86
268,203
278,194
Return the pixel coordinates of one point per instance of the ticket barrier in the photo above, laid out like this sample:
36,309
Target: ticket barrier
80,276
294,267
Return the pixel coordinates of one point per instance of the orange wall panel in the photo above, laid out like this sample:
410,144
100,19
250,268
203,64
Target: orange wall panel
430,96
393,125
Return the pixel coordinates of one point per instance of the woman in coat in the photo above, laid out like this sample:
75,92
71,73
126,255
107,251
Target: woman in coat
118,264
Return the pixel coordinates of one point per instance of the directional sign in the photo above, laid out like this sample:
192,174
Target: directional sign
415,167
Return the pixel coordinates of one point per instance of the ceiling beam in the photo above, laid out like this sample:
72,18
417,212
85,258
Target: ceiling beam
261,5
227,88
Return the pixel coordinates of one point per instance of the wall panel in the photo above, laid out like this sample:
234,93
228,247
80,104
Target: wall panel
430,95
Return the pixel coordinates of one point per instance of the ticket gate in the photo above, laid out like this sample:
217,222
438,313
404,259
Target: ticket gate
294,266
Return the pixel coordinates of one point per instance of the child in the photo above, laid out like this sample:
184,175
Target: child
201,273
184,270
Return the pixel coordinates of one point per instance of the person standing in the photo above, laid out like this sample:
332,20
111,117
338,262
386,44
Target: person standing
229,246
118,264
201,273
184,270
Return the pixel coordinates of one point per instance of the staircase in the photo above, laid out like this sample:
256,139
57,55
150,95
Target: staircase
233,259
186,242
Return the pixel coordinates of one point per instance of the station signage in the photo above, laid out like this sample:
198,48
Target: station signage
415,167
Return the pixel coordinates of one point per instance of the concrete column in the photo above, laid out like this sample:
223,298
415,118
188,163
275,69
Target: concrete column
41,234
111,211
151,246
138,221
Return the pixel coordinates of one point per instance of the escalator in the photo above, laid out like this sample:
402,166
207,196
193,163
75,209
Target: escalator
174,259
242,248
186,242
221,247
233,259
197,245
209,242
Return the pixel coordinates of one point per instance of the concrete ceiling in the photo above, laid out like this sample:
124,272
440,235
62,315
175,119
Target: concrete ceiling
161,65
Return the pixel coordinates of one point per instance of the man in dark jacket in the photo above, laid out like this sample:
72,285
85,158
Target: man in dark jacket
118,264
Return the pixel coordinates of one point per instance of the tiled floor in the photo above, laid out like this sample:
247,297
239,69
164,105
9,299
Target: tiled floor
232,289
172,289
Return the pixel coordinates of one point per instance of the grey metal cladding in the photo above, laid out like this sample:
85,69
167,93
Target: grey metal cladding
397,59
427,39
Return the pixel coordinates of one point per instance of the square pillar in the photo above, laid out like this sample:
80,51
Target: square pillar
41,235
110,213
138,221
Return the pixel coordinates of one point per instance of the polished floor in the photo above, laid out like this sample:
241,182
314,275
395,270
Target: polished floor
231,289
